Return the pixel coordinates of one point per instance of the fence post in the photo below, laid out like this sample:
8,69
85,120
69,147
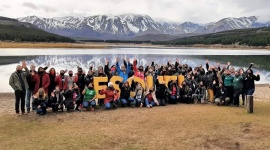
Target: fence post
250,104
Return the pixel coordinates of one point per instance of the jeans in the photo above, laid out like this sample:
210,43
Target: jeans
87,104
151,103
250,91
20,97
111,104
42,110
29,95
129,100
173,99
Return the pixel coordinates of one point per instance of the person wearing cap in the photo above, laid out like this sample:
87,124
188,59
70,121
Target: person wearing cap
19,84
111,96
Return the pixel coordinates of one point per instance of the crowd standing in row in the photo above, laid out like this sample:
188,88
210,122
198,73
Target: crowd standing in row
48,89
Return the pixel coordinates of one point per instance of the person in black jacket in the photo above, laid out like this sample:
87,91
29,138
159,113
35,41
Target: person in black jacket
89,78
56,100
30,90
185,93
40,102
81,84
72,95
200,93
161,93
249,82
220,97
125,95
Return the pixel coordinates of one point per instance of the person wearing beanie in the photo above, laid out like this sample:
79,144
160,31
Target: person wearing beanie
111,96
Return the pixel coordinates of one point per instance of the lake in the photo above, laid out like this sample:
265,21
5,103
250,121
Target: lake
71,58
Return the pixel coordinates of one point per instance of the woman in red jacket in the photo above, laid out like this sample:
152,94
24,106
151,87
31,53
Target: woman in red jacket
111,96
41,80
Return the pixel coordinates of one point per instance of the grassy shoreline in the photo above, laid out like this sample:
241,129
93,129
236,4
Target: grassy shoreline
99,45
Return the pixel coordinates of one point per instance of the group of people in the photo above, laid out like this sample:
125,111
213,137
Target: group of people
58,91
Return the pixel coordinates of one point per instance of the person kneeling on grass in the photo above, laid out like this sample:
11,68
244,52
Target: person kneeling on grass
111,96
40,102
220,97
173,91
71,96
125,95
139,92
199,94
150,98
56,100
89,97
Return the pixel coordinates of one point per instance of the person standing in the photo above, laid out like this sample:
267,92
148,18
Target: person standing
31,87
238,86
250,79
19,84
52,76
41,79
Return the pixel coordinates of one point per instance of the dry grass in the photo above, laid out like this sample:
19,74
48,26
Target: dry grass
171,127
48,45
99,45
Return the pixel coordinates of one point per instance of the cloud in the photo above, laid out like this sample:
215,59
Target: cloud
30,5
47,9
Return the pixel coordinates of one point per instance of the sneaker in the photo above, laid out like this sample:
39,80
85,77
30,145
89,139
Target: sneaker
77,109
148,106
141,105
243,103
151,106
92,109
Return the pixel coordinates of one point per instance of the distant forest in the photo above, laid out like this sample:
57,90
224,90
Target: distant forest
248,37
26,34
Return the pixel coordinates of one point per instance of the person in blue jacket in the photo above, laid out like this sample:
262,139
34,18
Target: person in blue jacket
124,70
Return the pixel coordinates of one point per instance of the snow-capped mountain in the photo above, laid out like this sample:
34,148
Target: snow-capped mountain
131,25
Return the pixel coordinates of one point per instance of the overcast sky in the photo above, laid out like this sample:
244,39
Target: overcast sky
199,11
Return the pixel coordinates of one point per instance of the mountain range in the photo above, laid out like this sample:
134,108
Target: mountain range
132,26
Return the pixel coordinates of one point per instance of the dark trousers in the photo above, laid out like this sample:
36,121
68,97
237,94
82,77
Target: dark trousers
237,93
230,93
20,98
243,95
